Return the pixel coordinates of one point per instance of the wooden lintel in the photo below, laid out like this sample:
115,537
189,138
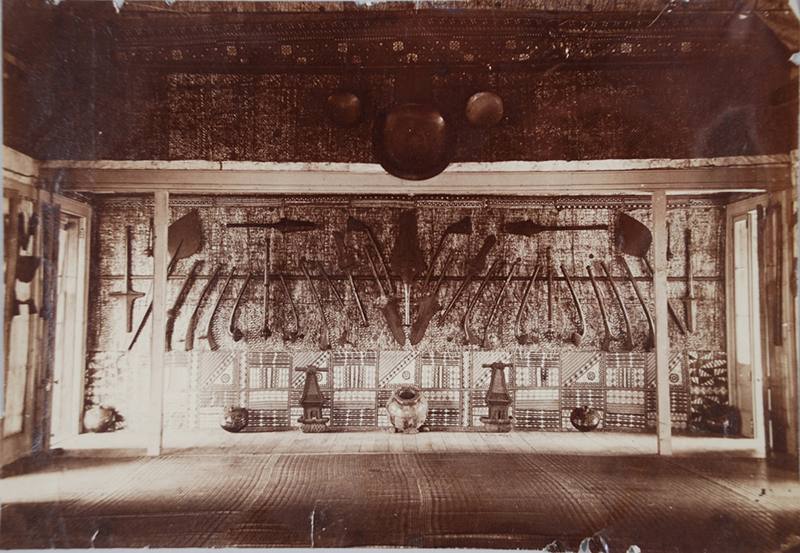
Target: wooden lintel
768,177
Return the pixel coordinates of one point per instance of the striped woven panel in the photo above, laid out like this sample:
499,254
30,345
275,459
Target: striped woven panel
268,370
441,370
541,400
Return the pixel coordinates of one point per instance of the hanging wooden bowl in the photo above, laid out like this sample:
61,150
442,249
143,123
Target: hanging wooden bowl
412,141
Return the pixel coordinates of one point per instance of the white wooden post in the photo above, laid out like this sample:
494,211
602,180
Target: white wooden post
662,334
158,339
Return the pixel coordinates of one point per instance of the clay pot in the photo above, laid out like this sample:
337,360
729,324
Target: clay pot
407,409
584,419
234,419
99,419
484,109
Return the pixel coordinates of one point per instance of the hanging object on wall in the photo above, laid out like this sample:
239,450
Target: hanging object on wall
283,225
324,331
484,109
412,141
577,336
343,108
529,228
407,408
550,291
189,339
183,240
671,310
356,225
473,267
407,258
605,343
266,332
498,400
632,238
172,313
209,335
296,334
649,344
584,418
428,305
343,338
628,342
312,401
233,330
346,263
387,303
27,265
469,337
524,338
462,226
234,419
690,301
129,295
484,342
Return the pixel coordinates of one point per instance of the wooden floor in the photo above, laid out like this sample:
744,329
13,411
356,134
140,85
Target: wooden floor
376,489
383,441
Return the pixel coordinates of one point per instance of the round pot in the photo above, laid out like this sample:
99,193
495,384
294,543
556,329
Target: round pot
99,419
234,419
407,408
413,141
584,419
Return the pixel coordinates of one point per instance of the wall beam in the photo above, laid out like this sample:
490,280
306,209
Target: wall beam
662,334
158,339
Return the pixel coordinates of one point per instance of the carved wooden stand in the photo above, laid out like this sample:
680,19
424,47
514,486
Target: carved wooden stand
312,402
498,400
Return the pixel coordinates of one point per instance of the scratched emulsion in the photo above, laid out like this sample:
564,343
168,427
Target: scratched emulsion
475,500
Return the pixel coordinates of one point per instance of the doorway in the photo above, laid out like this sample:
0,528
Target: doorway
748,368
70,349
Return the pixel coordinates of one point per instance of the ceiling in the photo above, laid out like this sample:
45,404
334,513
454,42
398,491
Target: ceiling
248,80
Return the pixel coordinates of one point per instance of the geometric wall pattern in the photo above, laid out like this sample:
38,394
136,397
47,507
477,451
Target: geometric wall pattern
356,385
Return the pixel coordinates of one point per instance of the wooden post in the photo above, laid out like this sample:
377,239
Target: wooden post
662,335
158,340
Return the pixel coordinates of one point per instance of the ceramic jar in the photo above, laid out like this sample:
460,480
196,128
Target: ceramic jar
584,418
234,419
407,409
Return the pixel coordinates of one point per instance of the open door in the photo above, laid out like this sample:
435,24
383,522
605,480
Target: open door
747,364
70,333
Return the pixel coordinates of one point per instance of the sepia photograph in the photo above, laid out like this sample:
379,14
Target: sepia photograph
457,274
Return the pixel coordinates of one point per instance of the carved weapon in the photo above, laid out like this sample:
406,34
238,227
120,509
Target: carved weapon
189,341
690,302
355,225
469,337
210,335
324,342
523,339
265,330
577,336
296,334
650,342
473,267
388,306
428,305
529,228
283,225
497,301
606,342
407,259
346,264
235,333
129,294
628,332
176,306
670,309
